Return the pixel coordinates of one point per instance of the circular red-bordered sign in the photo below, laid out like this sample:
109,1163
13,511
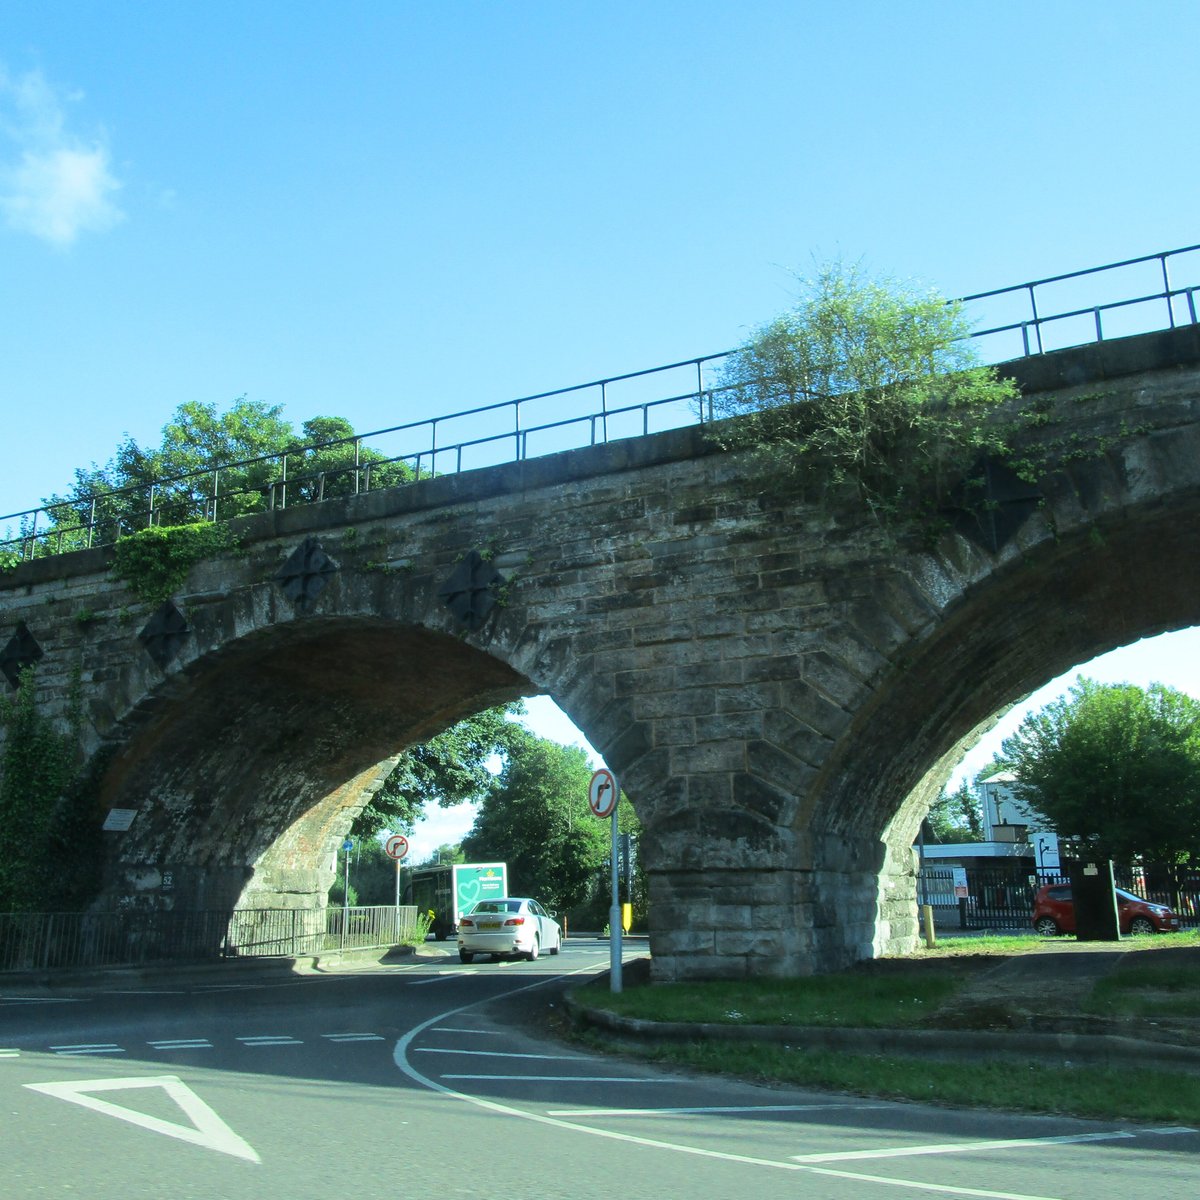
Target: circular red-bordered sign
396,846
603,793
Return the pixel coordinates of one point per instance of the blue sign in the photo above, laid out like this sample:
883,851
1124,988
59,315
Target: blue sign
347,845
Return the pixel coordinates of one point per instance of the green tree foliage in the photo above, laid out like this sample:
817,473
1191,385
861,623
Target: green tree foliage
536,818
191,476
866,384
45,863
1117,767
956,816
448,769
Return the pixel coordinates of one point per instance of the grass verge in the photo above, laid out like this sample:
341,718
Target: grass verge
1095,1092
907,993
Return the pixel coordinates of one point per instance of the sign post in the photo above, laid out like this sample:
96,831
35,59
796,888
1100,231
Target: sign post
604,793
396,847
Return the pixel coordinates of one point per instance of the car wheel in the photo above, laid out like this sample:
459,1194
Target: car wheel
466,956
1141,925
557,946
534,950
1046,926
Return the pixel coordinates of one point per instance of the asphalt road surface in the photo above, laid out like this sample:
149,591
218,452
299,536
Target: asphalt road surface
435,1079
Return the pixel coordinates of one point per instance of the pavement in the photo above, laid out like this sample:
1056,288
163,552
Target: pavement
1022,1008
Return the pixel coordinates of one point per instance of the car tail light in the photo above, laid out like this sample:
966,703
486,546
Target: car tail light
467,921
515,921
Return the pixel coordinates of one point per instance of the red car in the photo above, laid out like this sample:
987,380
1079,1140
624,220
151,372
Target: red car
1054,912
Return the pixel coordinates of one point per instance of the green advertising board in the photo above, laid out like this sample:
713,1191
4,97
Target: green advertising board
479,881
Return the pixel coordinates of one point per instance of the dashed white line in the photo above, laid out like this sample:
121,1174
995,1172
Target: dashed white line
270,1040
712,1108
441,977
353,1037
90,1048
962,1147
182,1044
505,1054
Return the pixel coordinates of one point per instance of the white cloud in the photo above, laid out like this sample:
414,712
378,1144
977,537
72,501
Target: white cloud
53,184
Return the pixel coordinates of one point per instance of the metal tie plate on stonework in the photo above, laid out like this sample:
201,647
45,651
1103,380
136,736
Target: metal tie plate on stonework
470,592
164,633
22,651
992,503
305,573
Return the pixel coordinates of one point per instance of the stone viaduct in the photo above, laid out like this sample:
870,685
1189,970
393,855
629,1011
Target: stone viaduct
781,688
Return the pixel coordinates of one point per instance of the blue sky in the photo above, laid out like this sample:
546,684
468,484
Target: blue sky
387,211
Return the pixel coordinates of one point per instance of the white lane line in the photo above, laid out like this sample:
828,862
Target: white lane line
561,1078
7,1053
41,1000
712,1108
353,1037
505,1054
182,1044
400,1057
206,1129
270,1040
963,1147
480,1032
441,977
90,1048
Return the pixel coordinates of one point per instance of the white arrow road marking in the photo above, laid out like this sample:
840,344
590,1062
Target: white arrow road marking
207,1129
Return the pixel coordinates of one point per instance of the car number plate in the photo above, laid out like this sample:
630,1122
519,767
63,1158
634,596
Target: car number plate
489,924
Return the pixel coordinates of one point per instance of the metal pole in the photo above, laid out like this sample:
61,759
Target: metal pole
614,916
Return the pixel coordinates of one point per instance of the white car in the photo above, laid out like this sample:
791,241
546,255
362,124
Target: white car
515,927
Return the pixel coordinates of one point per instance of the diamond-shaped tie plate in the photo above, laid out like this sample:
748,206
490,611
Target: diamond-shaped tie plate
992,504
470,592
305,573
22,651
164,633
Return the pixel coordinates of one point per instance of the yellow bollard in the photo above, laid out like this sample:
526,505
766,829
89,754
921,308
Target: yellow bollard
626,916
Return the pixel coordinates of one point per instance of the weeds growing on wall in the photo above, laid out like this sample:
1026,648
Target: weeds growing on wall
864,385
45,862
155,561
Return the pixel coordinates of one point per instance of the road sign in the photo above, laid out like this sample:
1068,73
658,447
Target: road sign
347,845
603,793
396,846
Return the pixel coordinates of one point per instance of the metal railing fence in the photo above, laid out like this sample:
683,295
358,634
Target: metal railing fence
1134,295
57,941
1002,897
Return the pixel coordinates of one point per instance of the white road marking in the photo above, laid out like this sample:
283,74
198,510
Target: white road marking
481,1032
714,1108
563,1078
41,1000
8,1053
400,1057
353,1037
207,1129
505,1054
963,1147
441,976
182,1044
268,1039
90,1048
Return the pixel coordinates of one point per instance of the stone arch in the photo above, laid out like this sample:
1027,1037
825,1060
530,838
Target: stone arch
251,768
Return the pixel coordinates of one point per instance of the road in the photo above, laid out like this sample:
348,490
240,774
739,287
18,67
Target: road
431,1078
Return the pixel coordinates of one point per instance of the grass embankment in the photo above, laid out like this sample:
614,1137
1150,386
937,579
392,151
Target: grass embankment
908,993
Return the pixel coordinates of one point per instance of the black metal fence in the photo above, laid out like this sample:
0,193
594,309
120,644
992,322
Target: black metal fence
1002,897
1136,295
55,941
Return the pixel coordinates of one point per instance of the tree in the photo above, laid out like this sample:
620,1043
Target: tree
956,816
449,769
1117,767
536,818
192,475
865,383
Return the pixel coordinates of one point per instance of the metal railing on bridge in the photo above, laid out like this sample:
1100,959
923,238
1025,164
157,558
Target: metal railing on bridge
1136,295
57,941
